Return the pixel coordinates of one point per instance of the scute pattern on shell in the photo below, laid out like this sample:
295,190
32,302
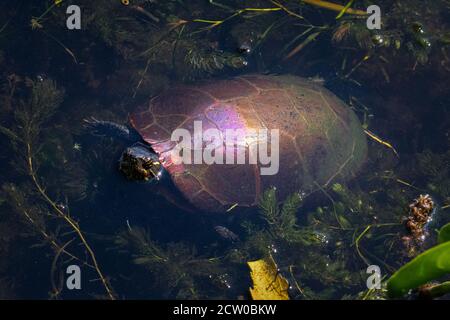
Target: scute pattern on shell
321,140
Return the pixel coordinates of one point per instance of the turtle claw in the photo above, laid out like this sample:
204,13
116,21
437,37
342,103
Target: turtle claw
92,121
103,128
94,126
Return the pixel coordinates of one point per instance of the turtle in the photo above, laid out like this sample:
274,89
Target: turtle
320,139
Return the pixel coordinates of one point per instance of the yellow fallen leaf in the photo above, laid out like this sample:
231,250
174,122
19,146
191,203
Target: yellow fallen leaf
268,284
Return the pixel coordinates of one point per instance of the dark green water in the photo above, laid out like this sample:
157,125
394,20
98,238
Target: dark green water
52,78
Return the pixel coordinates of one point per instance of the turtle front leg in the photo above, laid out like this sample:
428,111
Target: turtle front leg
109,129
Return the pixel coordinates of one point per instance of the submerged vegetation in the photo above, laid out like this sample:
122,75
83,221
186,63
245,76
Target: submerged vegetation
430,265
35,204
174,269
62,201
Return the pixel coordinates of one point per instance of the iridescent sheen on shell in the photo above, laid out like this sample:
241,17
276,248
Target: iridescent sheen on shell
321,139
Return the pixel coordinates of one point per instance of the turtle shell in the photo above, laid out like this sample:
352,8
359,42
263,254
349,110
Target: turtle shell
320,138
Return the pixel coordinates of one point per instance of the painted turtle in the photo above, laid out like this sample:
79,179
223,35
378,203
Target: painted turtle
320,139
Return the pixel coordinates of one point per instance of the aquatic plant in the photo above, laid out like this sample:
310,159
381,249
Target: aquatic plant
281,220
429,265
153,37
30,117
301,252
408,41
435,168
199,62
174,268
320,250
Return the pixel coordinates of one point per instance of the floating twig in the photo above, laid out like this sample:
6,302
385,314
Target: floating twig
146,13
345,9
62,45
303,44
364,59
334,7
363,233
379,140
72,223
289,12
215,23
232,207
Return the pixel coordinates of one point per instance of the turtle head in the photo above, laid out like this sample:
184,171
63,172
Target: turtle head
140,163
